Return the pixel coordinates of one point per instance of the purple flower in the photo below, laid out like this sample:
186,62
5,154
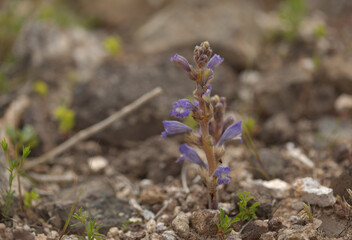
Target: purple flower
181,61
232,132
182,108
223,174
174,127
214,61
191,155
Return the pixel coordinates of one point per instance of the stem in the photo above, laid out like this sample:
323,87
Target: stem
213,200
20,193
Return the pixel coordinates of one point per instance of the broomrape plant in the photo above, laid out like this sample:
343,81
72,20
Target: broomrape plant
209,112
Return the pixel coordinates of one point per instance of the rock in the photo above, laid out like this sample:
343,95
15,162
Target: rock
161,31
336,71
23,234
331,226
275,224
297,155
150,226
312,192
181,225
97,164
309,231
277,129
97,199
276,188
254,230
41,43
169,235
342,182
153,195
113,232
331,131
115,84
279,88
204,221
155,236
273,161
154,159
343,103
268,236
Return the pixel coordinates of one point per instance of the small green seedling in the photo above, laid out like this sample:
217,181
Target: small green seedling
66,118
89,225
40,88
307,212
113,45
29,197
292,13
26,136
14,168
246,213
225,224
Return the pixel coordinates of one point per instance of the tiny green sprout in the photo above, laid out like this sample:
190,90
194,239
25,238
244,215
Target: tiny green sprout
306,213
113,45
27,136
246,213
29,197
4,146
250,125
89,225
66,118
225,224
320,31
41,88
292,13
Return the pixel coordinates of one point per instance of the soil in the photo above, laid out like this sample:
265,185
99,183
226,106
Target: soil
294,94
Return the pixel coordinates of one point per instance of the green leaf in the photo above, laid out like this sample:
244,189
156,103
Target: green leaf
4,145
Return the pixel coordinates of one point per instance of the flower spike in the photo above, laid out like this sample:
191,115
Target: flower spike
174,127
191,155
233,132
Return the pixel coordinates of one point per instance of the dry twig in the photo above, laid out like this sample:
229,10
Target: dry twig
90,131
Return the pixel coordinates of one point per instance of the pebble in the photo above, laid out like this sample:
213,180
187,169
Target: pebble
204,221
97,163
298,155
181,224
113,232
2,227
160,226
169,235
254,230
343,103
314,193
276,187
151,226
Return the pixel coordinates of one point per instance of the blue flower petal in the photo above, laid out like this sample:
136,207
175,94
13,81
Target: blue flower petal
232,132
174,127
223,174
214,61
182,108
181,61
191,155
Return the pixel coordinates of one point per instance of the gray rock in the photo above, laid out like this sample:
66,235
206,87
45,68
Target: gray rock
308,231
268,236
254,230
116,84
343,104
279,88
181,225
331,226
273,161
154,159
97,199
277,130
204,221
169,235
341,183
312,192
162,31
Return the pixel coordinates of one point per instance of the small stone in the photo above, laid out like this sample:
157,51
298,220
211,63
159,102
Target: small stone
276,187
2,228
268,236
53,234
254,230
22,234
145,183
169,235
343,103
314,193
275,224
152,195
148,215
160,226
97,163
181,225
113,232
151,226
204,221
277,129
155,236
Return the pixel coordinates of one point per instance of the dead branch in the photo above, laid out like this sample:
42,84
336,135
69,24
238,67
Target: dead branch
90,131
